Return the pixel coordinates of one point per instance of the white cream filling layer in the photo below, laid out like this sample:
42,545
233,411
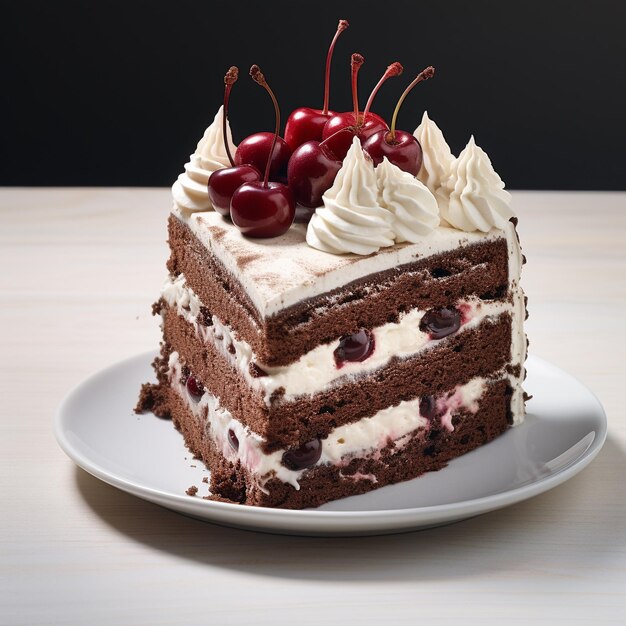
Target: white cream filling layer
367,437
316,370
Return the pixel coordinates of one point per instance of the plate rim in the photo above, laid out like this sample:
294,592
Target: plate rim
451,510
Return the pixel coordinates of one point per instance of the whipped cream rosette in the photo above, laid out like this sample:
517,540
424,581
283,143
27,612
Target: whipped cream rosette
437,158
352,219
414,208
477,198
190,189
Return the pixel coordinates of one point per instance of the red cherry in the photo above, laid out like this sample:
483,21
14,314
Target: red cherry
233,440
195,388
306,124
339,143
255,150
263,210
401,148
312,171
223,184
359,123
440,323
354,348
307,455
405,152
428,407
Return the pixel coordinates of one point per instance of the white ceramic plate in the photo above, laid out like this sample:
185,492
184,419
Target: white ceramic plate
564,430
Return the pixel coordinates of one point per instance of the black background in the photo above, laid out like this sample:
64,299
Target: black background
118,93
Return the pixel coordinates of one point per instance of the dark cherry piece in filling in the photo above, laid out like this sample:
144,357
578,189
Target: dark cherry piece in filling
233,440
440,323
195,388
305,456
428,407
206,316
354,348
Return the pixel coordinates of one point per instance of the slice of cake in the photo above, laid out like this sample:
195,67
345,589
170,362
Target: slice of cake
375,343
300,376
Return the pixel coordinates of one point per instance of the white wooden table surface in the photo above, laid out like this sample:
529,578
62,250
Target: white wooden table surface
79,271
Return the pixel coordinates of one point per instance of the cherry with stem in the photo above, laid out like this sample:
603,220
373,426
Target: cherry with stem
223,182
313,166
306,124
256,148
400,147
263,208
362,124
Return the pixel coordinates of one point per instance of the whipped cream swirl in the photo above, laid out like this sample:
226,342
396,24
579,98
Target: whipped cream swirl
351,219
477,199
190,190
437,156
415,210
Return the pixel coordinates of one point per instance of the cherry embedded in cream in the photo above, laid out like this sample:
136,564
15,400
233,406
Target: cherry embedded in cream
354,348
441,322
194,387
233,440
307,455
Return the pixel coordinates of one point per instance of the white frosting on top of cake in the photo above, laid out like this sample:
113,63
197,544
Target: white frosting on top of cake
351,219
477,198
414,208
437,158
280,272
190,189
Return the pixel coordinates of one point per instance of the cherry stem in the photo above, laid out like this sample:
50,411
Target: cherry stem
395,69
229,80
355,63
345,129
429,72
343,24
257,76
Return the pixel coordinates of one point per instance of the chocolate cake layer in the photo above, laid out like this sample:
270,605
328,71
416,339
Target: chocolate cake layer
427,450
478,269
480,351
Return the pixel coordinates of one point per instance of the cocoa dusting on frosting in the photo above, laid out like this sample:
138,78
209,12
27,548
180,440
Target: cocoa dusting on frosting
245,259
217,231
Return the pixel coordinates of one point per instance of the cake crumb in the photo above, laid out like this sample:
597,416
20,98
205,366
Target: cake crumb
205,480
217,498
192,491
